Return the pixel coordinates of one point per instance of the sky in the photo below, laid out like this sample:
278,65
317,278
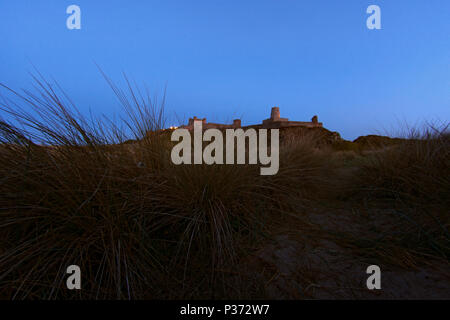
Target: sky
237,59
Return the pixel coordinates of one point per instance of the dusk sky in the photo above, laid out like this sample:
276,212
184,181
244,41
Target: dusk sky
236,59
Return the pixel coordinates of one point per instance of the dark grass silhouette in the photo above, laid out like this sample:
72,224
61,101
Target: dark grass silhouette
73,192
413,178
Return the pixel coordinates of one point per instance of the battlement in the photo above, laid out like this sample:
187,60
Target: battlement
275,121
210,125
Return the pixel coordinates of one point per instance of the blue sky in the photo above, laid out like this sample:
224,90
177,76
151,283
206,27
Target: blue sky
228,59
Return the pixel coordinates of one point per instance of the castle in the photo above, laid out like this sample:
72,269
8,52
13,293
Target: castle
209,125
275,121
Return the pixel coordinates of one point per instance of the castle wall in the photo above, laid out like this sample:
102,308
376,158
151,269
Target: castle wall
272,123
284,124
210,125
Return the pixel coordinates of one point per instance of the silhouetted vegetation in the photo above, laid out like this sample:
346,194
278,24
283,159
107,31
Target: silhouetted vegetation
88,192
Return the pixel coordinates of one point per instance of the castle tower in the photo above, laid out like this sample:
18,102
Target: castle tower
275,114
